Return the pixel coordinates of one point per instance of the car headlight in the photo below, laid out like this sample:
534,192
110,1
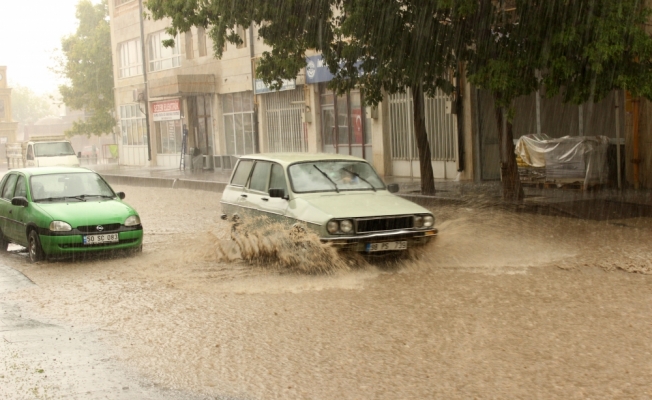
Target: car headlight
132,221
346,226
418,221
332,227
60,226
428,221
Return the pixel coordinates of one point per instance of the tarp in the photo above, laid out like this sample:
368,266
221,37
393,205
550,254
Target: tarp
583,158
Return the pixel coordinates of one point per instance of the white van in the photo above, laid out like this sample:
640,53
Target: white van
41,153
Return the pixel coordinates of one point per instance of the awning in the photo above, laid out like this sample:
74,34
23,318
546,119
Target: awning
182,85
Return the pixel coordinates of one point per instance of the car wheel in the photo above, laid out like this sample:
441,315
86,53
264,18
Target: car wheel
35,251
4,243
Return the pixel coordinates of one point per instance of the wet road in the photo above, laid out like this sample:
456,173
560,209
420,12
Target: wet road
502,305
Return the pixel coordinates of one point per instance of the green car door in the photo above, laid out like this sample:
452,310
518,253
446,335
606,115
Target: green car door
6,193
18,215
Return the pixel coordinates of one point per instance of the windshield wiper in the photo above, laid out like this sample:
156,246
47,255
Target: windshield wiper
327,177
80,198
358,176
104,196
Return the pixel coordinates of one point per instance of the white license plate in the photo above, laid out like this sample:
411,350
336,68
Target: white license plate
384,246
99,239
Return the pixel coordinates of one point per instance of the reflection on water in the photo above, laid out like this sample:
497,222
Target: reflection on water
482,311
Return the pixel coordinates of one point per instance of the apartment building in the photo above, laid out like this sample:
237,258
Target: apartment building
226,112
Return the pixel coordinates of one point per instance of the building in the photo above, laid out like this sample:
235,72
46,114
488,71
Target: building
226,112
7,125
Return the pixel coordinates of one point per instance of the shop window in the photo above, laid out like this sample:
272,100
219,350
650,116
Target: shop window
238,114
132,125
168,137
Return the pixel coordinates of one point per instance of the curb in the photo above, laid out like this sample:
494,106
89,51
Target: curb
174,183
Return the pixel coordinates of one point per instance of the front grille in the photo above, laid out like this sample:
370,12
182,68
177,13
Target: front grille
93,228
384,224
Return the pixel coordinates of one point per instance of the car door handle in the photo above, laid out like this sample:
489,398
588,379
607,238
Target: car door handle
11,211
264,199
243,195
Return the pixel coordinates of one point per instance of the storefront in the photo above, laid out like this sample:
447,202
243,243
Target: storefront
166,116
345,125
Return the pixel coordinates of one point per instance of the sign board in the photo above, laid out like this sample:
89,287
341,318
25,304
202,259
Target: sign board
317,71
166,110
288,84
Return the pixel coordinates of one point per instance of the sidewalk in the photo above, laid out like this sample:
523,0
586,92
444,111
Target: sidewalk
599,204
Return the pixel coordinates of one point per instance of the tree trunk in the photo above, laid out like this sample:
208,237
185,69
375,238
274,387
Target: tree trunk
423,147
512,189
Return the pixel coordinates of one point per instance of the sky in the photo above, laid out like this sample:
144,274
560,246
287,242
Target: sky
30,34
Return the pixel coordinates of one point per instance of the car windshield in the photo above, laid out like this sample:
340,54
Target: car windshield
81,186
53,149
333,176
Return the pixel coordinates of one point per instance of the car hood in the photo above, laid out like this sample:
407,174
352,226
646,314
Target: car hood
354,204
89,212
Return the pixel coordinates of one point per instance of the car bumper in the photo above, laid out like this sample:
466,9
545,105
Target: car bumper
359,242
74,244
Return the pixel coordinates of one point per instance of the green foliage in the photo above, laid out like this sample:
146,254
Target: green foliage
87,65
583,49
27,106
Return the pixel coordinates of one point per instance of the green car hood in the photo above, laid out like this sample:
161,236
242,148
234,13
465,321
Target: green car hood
318,206
89,212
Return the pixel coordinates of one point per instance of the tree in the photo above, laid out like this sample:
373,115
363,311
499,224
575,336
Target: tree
378,46
87,66
27,106
581,49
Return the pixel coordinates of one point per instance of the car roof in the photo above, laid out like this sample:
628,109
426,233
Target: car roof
291,158
50,170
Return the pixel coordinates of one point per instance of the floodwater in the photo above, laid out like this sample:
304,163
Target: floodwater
500,305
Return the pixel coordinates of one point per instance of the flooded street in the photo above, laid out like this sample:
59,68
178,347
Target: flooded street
501,305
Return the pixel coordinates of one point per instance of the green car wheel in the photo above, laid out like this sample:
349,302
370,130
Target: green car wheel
35,250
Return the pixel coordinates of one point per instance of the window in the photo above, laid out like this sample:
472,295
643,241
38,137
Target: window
278,178
161,57
242,172
130,58
201,41
8,190
242,32
190,51
30,153
121,2
169,137
260,177
132,124
21,187
238,114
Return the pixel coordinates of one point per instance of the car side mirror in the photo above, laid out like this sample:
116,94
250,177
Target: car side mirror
278,193
19,201
121,195
392,188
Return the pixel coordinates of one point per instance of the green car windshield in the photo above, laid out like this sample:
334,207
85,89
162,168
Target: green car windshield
333,176
78,185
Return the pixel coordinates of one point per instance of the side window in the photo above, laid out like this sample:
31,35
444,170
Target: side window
21,187
277,180
260,176
242,172
30,152
2,183
8,189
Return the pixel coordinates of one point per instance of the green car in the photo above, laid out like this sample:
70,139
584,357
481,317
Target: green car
339,197
65,212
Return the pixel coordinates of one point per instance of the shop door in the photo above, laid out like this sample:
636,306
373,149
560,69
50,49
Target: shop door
345,127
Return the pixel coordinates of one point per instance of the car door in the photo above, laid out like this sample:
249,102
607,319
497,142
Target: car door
30,160
5,206
234,194
267,175
18,215
7,212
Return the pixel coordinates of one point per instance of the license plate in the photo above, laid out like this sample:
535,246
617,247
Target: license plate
384,246
99,239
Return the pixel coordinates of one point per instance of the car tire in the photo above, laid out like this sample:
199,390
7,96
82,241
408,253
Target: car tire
4,243
34,249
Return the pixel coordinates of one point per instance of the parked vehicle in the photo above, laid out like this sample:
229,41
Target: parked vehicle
340,197
65,211
45,151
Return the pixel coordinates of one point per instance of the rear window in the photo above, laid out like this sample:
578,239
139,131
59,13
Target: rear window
242,171
53,149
